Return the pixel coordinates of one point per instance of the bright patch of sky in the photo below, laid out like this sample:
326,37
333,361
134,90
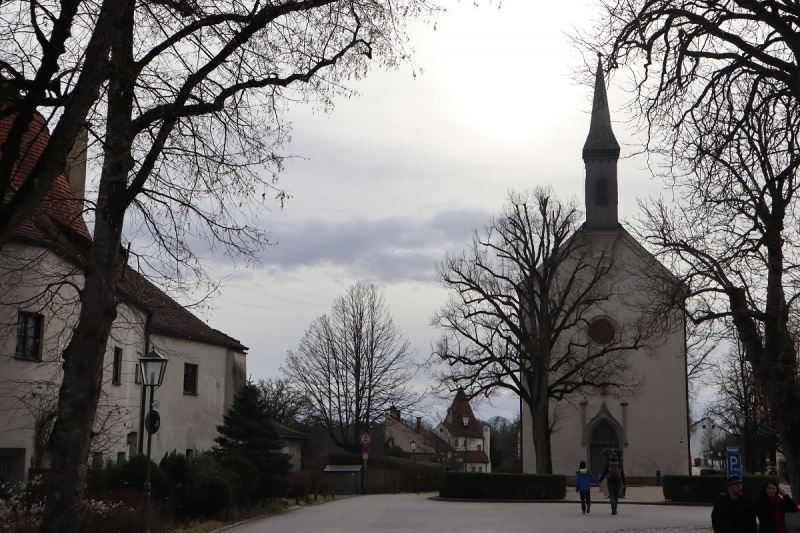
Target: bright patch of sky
391,180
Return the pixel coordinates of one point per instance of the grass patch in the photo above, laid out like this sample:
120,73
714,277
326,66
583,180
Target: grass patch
265,509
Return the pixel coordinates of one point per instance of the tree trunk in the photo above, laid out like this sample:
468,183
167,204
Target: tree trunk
540,421
85,353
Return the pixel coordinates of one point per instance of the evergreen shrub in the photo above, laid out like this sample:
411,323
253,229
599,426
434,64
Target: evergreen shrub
484,486
216,495
706,489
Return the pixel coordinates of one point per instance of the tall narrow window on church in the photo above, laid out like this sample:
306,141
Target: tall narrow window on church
601,196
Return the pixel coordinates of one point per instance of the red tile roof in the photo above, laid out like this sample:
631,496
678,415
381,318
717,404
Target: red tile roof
454,424
58,220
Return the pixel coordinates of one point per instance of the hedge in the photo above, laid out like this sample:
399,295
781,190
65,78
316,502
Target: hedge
706,489
474,485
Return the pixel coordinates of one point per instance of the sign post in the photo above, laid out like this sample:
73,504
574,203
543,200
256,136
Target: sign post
365,439
734,460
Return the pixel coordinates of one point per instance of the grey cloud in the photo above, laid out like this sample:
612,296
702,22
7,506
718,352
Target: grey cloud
388,249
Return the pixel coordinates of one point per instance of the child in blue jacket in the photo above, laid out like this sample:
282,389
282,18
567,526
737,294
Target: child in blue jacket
583,485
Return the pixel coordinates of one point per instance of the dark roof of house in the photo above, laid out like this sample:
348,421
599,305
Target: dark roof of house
601,140
286,432
476,457
58,221
454,424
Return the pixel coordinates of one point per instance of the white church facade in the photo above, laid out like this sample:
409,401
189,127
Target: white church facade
650,428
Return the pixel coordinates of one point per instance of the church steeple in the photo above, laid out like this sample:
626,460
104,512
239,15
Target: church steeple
600,155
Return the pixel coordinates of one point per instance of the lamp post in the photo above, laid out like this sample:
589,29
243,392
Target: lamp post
153,367
741,420
414,460
465,420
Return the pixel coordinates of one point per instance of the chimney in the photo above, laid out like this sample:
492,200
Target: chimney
486,445
76,166
419,425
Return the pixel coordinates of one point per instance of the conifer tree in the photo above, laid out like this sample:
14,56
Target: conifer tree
247,431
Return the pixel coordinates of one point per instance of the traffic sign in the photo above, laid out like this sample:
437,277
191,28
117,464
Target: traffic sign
734,458
365,456
365,438
365,448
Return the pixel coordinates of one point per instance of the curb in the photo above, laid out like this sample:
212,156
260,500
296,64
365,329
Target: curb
575,502
230,527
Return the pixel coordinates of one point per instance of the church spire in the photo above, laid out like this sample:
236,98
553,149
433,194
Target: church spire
600,155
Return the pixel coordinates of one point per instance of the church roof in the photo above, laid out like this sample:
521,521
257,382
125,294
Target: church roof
58,220
601,140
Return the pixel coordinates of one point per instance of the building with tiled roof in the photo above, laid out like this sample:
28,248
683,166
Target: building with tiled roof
40,283
466,442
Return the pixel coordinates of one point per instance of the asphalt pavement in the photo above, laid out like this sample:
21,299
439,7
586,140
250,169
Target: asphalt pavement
414,513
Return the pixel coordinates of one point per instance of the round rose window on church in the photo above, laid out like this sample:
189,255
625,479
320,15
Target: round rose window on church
601,331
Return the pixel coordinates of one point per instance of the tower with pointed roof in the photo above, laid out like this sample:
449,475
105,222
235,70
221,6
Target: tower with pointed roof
600,155
649,426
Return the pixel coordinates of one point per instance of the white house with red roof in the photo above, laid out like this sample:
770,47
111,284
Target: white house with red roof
40,280
467,443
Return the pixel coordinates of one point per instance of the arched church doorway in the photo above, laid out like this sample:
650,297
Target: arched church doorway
603,436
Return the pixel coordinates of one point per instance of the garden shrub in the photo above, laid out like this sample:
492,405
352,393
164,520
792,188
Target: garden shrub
300,484
706,489
216,495
711,472
248,475
175,466
131,473
471,485
319,482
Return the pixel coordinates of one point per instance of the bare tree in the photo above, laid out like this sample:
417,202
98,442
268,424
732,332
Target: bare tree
716,86
525,313
184,105
742,408
285,403
352,365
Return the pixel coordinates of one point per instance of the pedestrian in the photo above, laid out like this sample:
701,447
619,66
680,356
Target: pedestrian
615,475
771,507
772,470
583,485
733,513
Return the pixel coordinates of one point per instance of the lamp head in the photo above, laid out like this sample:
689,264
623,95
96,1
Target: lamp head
413,446
153,367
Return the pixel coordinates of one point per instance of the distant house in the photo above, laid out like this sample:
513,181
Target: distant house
295,442
466,445
707,444
40,279
394,432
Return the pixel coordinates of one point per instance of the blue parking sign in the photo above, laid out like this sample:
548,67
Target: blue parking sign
734,458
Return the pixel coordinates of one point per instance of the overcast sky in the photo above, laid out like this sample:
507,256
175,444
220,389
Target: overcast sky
391,180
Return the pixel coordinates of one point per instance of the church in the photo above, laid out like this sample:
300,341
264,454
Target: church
650,428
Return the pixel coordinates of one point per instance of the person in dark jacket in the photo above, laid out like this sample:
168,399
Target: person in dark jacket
616,480
733,513
771,507
583,485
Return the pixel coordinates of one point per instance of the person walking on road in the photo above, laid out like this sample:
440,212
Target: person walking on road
733,513
612,471
771,507
583,485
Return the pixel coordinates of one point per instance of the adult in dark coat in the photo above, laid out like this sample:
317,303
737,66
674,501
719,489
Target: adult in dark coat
733,513
771,507
616,480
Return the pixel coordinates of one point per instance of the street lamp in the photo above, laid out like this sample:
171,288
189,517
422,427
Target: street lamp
465,420
414,460
153,367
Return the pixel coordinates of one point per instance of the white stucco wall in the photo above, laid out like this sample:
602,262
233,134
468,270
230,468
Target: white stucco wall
26,387
654,424
189,421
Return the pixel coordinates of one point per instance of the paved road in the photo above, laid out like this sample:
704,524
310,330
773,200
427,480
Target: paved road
418,514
